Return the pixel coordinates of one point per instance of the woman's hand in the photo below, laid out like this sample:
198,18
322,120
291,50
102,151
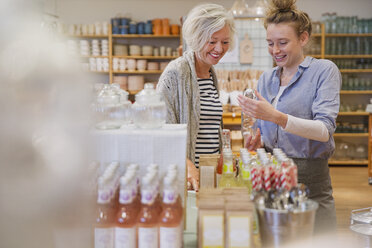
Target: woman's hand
192,176
252,143
262,109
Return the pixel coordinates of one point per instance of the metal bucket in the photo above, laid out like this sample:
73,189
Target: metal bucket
279,227
361,224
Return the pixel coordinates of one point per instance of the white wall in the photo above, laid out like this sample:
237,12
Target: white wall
88,11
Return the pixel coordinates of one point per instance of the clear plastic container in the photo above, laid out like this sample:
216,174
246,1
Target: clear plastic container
149,111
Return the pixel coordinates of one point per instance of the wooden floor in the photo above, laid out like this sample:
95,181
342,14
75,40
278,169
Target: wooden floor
351,191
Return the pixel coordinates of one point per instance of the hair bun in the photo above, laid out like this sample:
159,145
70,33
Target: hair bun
282,5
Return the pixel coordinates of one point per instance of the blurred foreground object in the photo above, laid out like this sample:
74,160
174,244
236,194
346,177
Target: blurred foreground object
44,105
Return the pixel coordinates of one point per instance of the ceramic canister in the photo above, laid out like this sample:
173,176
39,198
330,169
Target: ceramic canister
141,64
153,66
135,82
131,64
135,50
141,28
132,28
147,50
148,27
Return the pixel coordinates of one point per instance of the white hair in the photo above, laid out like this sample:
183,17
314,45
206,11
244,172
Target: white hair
203,21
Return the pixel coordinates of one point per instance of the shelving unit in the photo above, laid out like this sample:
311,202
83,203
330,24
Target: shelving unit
356,95
133,39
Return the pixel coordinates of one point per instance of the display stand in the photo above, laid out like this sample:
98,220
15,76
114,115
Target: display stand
163,146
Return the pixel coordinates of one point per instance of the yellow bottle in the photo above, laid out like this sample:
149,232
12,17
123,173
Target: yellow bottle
246,180
228,178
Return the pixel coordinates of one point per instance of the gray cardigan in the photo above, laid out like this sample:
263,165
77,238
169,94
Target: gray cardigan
179,87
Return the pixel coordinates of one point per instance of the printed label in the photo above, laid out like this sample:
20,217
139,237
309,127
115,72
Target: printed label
125,237
103,196
213,231
170,237
228,168
103,238
147,197
246,174
147,237
239,232
169,196
125,196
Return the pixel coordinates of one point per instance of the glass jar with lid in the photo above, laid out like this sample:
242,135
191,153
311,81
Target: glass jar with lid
108,108
149,110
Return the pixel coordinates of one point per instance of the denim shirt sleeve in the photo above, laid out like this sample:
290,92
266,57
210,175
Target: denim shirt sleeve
327,99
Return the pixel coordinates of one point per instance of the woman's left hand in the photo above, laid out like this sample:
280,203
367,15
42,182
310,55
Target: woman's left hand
262,109
259,109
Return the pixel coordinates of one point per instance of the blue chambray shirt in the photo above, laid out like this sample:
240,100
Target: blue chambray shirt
313,94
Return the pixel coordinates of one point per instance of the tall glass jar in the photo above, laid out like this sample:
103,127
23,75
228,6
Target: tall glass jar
149,111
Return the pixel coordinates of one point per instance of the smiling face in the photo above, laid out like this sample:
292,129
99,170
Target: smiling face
284,45
215,48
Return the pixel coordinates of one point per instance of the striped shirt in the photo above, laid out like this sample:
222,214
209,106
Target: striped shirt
207,140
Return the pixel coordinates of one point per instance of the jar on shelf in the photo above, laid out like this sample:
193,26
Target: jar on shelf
149,110
361,152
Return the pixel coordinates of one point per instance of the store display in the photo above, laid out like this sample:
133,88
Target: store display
131,214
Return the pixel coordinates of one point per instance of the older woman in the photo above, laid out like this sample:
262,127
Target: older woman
189,83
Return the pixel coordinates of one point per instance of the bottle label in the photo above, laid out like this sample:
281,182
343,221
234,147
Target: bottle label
213,231
147,197
125,237
239,232
228,168
103,196
246,174
103,237
125,196
147,237
170,237
169,196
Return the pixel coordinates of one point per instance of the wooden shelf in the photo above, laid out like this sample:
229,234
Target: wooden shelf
348,162
350,135
316,35
348,56
88,36
139,72
91,56
355,92
353,113
348,35
317,56
99,72
145,57
143,36
231,118
356,70
133,92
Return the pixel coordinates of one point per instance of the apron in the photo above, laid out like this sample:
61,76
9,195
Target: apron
314,173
